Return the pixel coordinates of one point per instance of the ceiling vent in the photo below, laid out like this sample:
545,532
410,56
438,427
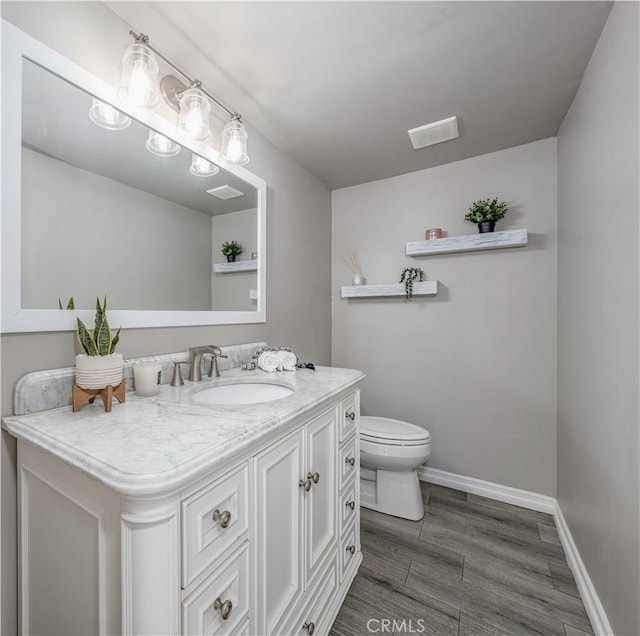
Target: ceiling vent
434,133
225,192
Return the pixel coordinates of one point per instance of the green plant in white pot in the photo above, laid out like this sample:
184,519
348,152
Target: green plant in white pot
485,213
99,366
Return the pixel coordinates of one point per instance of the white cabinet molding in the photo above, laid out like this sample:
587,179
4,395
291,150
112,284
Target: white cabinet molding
426,288
468,243
237,266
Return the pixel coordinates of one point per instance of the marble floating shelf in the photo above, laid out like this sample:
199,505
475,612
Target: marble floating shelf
468,243
237,266
426,288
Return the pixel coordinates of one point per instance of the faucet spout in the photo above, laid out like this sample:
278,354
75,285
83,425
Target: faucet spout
196,353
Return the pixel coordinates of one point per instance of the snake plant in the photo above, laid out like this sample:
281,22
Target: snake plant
99,342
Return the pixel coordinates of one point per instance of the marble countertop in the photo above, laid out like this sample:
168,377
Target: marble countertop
155,445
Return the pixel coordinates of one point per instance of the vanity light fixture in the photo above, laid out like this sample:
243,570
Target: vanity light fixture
106,116
194,113
200,167
194,105
162,146
234,142
139,81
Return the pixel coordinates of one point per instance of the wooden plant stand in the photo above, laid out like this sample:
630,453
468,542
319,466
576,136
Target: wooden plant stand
83,396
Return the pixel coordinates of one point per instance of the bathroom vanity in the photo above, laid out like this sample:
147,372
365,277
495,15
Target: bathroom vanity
172,516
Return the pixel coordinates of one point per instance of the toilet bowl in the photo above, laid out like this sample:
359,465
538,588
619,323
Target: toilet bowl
390,453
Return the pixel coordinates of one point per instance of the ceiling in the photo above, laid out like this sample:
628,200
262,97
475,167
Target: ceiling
336,85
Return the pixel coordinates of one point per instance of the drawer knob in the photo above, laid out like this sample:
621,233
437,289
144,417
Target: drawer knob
350,460
310,627
223,519
350,415
305,483
224,608
315,478
351,548
351,504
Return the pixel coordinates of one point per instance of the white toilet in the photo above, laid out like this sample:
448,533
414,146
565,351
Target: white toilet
390,453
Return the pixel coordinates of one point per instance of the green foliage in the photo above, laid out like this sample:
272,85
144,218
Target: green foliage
231,248
408,276
100,342
70,305
486,210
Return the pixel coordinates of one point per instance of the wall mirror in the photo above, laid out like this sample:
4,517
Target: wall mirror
133,211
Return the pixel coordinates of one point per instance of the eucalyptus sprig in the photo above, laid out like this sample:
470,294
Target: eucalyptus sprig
99,342
408,276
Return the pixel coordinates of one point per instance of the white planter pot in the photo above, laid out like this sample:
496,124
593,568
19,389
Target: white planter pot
97,372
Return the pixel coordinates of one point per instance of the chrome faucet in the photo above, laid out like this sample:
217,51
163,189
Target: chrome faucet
196,353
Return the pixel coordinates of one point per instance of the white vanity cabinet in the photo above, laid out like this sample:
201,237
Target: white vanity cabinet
296,514
268,543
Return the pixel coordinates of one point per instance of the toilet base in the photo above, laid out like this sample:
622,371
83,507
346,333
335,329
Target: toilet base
392,492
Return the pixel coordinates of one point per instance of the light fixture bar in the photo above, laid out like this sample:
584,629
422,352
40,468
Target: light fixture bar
141,38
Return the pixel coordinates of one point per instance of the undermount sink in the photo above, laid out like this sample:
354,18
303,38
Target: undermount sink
242,393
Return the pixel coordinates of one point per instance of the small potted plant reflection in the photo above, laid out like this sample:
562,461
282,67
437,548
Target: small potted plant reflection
231,249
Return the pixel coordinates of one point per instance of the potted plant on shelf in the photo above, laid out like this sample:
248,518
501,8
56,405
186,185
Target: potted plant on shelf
485,212
231,249
408,276
98,367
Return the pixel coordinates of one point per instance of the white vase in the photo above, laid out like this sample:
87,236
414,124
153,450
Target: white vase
97,372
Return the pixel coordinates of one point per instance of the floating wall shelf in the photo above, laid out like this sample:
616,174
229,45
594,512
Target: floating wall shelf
237,266
468,243
426,288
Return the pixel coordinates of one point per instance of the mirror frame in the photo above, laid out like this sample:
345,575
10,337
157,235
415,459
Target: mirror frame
17,45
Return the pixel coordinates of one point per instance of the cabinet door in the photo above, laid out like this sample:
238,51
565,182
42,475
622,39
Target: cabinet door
321,499
278,531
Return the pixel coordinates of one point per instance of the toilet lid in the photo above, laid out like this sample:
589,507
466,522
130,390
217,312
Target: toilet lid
383,429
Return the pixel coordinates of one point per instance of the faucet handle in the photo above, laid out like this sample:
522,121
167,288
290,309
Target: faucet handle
214,372
176,379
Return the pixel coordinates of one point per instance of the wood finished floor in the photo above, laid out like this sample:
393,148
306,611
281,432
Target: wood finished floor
471,567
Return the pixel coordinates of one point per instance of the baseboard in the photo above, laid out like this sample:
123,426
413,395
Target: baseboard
506,494
540,503
590,598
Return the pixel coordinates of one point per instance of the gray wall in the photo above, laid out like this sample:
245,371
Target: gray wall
598,209
475,365
298,252
151,254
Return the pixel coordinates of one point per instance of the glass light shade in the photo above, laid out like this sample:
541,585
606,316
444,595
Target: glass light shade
162,146
106,116
139,82
201,167
194,113
234,143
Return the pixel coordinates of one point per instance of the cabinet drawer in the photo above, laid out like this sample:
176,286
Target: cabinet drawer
349,461
202,611
350,548
349,416
349,505
317,599
213,519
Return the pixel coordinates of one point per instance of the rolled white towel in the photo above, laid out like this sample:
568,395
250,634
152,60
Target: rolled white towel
269,361
288,360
